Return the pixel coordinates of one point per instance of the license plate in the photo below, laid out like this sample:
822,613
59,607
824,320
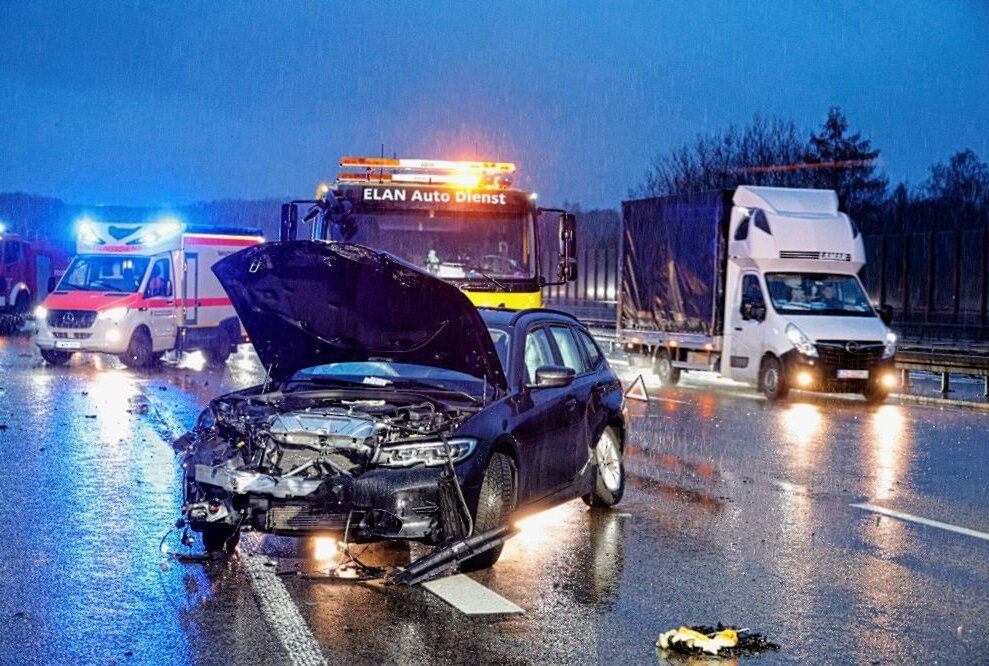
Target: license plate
67,344
853,374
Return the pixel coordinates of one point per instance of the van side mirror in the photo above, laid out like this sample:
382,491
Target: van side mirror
553,376
289,228
753,309
885,313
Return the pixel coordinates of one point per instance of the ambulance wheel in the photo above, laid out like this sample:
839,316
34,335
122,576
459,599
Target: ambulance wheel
218,352
772,383
663,366
139,352
55,357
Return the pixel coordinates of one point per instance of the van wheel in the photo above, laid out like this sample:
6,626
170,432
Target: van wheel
55,357
772,383
495,507
139,352
663,366
220,538
218,352
875,394
610,483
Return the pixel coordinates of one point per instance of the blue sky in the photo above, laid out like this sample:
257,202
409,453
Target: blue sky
166,103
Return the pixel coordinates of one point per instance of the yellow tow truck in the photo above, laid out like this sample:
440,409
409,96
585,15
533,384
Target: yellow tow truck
461,221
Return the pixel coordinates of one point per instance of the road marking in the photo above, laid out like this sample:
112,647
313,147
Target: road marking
282,614
470,597
923,521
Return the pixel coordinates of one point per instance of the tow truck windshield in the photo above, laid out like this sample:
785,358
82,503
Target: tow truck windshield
818,294
453,245
104,273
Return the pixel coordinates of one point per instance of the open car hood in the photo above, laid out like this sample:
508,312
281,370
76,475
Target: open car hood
306,303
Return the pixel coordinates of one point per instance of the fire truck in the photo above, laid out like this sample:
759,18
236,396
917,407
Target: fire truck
26,271
139,290
461,221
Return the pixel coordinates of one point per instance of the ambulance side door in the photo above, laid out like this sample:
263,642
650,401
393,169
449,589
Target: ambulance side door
159,295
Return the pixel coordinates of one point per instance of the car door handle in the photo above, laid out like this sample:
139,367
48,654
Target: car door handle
738,328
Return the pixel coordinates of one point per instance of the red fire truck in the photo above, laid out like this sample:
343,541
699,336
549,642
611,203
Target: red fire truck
26,271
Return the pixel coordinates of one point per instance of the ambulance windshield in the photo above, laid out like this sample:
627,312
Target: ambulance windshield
104,273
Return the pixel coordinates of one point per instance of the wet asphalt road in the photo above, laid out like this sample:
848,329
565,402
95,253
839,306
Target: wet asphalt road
736,511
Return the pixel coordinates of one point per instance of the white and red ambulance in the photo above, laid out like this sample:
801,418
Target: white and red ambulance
139,290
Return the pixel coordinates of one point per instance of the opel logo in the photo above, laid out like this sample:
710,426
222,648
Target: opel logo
851,347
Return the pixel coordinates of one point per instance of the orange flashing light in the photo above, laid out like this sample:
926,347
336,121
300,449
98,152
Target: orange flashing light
428,165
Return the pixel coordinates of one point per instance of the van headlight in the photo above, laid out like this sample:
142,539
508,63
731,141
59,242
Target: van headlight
430,454
800,341
890,349
113,314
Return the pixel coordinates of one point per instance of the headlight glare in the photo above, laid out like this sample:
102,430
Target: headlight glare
113,314
40,312
428,453
800,341
890,349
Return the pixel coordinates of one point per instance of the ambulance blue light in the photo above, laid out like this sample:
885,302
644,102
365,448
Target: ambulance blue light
85,231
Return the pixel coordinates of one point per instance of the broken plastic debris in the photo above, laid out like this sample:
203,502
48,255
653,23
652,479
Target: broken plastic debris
720,641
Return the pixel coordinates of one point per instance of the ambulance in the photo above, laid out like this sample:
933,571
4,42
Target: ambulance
139,290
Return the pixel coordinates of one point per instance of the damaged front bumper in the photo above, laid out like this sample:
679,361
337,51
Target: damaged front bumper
376,505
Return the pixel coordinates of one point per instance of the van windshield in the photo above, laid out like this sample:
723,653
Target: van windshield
104,273
818,294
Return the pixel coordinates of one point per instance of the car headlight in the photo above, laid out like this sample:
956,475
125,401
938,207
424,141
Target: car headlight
113,314
430,454
890,350
800,341
206,419
40,312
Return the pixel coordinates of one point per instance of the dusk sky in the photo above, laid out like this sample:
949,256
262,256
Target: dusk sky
167,103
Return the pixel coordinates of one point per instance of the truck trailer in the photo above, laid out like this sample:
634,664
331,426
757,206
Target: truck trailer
760,285
139,290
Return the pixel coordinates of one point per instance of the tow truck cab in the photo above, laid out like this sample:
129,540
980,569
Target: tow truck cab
138,290
461,221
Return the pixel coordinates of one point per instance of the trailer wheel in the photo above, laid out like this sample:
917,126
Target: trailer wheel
772,382
495,507
139,352
609,485
663,366
55,357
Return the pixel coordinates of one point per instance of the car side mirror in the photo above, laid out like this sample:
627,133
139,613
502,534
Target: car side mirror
885,313
553,376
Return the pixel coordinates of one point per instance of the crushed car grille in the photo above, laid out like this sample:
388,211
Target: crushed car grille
71,318
298,517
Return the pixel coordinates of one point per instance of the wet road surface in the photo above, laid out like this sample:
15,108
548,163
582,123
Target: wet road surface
736,510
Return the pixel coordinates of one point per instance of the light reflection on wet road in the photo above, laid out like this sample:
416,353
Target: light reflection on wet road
736,510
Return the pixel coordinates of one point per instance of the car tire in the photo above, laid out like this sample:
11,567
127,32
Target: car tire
663,366
218,352
139,352
220,538
55,357
495,506
609,484
875,394
772,382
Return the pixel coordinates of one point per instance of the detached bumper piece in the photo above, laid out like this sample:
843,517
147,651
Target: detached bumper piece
720,641
449,555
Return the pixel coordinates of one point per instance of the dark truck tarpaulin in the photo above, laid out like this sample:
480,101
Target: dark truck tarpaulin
673,260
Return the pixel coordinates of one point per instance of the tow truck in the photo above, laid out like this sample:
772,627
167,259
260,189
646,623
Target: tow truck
460,220
141,289
27,269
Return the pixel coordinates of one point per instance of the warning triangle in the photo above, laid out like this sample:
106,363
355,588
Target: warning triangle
637,391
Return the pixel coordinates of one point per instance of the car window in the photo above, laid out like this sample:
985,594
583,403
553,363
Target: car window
568,349
593,353
538,352
501,341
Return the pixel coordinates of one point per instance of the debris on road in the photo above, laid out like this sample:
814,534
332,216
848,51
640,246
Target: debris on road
720,641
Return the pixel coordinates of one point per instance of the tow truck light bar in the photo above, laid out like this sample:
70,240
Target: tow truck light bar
469,175
428,165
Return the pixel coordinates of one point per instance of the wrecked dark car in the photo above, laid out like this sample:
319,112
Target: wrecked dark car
393,408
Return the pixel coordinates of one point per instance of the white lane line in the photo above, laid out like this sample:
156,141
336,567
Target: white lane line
923,521
282,614
470,597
